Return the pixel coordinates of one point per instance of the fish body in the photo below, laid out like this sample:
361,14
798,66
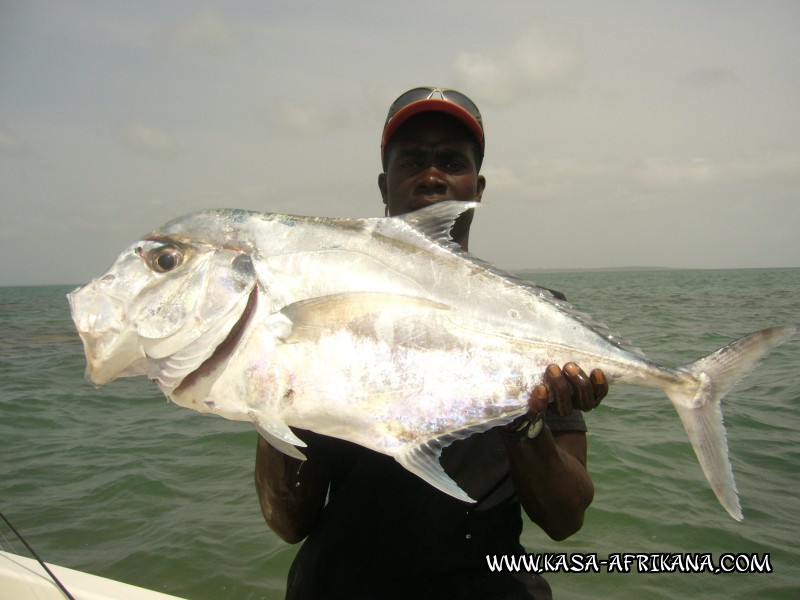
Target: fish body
378,331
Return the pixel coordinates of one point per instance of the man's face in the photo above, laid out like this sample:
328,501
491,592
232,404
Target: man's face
431,158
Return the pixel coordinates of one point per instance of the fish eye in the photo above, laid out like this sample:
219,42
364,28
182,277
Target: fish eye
164,259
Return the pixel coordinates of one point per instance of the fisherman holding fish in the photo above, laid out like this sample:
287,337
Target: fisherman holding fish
373,529
399,360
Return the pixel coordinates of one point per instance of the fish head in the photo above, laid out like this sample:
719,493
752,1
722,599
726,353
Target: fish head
162,309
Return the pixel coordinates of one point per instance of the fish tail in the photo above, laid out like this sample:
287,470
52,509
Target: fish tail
699,406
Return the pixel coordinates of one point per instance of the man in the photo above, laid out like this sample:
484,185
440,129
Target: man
385,533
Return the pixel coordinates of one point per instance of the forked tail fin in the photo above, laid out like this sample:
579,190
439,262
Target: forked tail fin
699,408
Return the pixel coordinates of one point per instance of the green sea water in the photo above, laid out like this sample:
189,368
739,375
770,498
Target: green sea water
122,484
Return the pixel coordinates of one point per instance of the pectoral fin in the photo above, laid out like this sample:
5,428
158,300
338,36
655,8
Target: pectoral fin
366,314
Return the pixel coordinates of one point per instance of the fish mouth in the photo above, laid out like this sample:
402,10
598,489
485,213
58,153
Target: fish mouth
225,348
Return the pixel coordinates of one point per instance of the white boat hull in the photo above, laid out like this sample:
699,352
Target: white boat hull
23,578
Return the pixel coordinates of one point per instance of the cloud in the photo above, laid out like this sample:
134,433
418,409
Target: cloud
590,183
501,178
206,32
543,58
661,172
709,77
557,179
303,118
10,144
769,168
147,140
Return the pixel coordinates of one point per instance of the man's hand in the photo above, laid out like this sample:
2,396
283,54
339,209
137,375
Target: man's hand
549,468
569,389
562,391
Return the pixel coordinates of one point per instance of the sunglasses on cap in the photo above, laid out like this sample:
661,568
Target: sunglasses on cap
432,99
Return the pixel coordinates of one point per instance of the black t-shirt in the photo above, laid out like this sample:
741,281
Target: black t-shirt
386,533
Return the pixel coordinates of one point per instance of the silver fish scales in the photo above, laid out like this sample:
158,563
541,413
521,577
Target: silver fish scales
378,331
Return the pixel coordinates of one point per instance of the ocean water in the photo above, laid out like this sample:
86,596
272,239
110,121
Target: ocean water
120,483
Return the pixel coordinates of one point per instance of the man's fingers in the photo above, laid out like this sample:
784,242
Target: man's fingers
570,388
538,402
600,385
583,392
560,390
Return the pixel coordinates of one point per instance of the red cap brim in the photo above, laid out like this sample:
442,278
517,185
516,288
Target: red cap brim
431,105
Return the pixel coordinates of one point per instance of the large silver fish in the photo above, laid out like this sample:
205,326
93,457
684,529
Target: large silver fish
378,331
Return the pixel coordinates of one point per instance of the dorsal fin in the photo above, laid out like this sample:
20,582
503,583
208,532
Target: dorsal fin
436,221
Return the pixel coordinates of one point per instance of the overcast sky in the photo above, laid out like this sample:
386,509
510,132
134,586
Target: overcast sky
619,133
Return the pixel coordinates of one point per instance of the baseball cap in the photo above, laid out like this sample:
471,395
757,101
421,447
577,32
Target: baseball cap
432,99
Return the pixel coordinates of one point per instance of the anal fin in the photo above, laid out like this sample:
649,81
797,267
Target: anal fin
279,436
423,461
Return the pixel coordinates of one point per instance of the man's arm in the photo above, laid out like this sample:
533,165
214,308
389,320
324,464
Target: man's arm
291,492
549,471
